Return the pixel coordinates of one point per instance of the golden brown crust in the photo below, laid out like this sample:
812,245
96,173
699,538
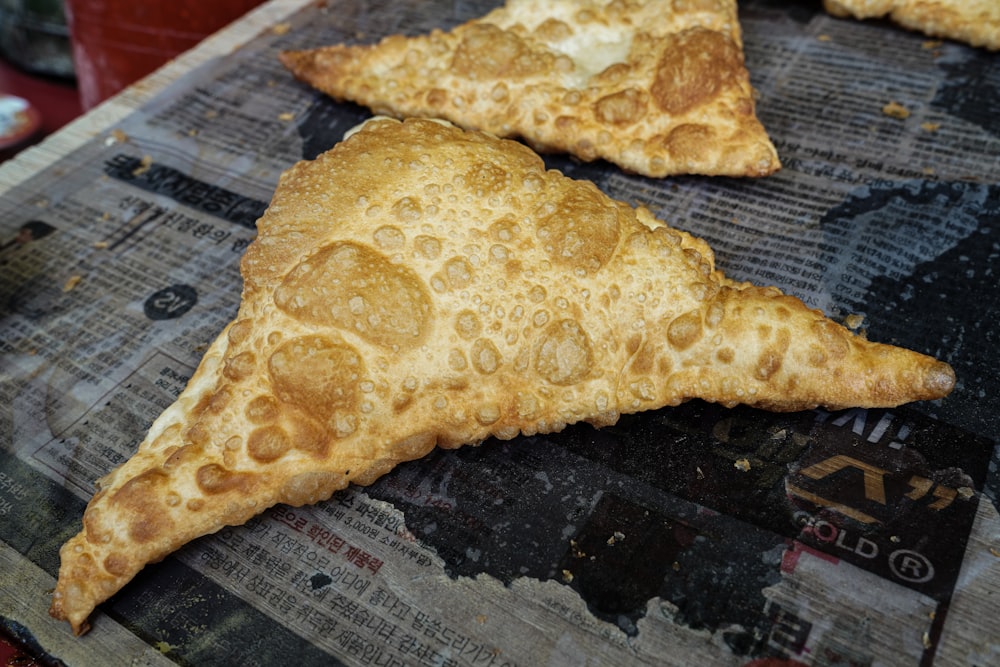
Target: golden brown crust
460,293
623,80
975,22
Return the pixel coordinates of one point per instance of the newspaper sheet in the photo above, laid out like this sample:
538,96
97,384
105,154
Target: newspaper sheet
693,535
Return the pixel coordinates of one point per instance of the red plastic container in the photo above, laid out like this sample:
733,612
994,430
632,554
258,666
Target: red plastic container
117,42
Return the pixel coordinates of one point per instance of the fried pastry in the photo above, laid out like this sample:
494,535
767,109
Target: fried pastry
975,22
419,285
654,86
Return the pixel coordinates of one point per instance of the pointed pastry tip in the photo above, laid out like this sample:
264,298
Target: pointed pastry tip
296,62
939,380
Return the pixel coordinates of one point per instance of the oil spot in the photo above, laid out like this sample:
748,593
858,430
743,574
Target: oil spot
817,356
564,356
832,338
240,367
459,272
197,435
318,375
319,580
138,499
622,108
357,289
488,414
643,388
181,455
499,253
116,564
685,330
268,444
389,238
488,53
407,210
770,359
527,405
220,399
485,356
504,230
695,66
213,478
579,231
456,361
261,410
768,364
487,178
240,331
468,325
308,435
427,246
714,315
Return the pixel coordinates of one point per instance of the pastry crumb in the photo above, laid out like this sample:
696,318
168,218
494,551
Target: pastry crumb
144,165
896,110
930,127
742,465
281,28
117,137
164,647
853,321
71,283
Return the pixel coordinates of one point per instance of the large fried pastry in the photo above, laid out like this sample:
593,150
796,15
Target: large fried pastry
976,22
421,285
654,86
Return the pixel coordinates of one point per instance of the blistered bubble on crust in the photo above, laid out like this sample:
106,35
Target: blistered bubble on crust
353,287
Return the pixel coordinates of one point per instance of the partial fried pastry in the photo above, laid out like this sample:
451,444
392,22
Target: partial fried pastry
421,285
975,22
654,86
